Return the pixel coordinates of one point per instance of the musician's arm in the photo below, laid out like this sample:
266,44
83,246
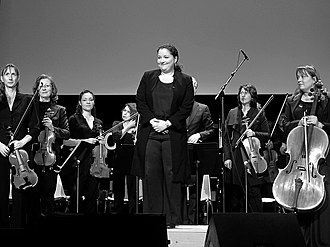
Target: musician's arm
208,126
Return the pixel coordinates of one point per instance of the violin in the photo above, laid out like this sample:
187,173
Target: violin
270,154
23,176
99,167
45,156
271,157
252,147
299,186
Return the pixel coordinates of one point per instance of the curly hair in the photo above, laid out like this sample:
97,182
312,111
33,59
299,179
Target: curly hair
132,108
53,96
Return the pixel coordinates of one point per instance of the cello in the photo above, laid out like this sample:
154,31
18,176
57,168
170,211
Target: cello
300,186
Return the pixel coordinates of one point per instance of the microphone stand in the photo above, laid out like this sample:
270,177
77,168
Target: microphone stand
76,164
220,127
25,112
137,179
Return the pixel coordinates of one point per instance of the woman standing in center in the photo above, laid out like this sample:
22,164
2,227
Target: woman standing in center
165,97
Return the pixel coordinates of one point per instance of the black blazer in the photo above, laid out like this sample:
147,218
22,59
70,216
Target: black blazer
61,126
12,118
322,113
200,121
181,106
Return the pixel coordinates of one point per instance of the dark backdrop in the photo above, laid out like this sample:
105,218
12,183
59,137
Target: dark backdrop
108,107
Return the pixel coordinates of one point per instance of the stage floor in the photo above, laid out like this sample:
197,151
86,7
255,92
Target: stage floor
187,236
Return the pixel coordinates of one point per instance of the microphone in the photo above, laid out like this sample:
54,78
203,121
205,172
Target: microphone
40,86
244,54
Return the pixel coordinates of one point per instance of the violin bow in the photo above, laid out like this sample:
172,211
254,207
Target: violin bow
113,127
255,118
70,155
278,116
136,128
24,114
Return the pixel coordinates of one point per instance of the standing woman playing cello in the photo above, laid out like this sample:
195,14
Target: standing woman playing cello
233,160
316,224
13,105
54,128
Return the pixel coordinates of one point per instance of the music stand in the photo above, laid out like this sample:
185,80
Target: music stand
82,148
203,160
123,161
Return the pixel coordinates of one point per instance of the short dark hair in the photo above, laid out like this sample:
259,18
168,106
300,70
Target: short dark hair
253,92
132,108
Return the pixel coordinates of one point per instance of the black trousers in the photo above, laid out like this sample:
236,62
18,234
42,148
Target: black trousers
160,193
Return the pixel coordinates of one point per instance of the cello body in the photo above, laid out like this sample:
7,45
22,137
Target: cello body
299,186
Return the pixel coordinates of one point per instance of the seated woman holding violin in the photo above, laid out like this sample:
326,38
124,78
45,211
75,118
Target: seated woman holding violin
244,159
